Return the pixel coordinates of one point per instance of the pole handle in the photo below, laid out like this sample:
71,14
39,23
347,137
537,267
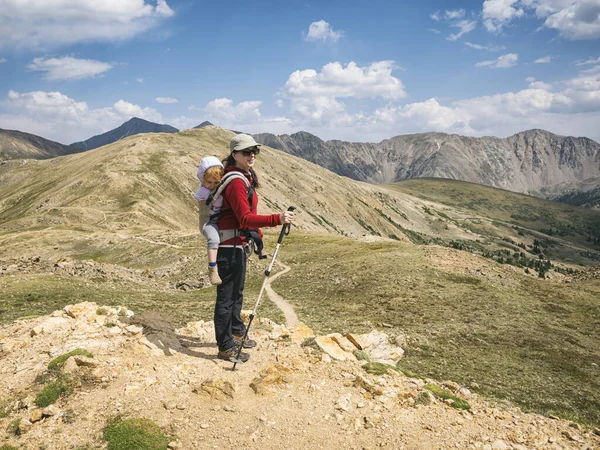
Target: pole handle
285,230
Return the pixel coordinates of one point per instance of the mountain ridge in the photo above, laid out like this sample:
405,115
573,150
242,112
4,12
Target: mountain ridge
526,162
16,144
133,126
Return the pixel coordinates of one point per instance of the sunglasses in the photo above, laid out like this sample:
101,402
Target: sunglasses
250,151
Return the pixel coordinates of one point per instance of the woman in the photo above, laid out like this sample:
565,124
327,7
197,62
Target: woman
237,218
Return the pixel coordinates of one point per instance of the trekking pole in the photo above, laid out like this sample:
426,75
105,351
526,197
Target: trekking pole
285,230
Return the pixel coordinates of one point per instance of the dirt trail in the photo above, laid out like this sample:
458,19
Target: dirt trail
291,319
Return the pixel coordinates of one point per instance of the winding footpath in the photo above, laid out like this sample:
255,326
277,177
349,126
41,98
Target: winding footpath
291,319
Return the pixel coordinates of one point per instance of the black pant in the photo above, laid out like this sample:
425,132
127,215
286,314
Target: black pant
230,295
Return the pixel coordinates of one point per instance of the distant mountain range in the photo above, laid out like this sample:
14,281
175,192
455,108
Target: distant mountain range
18,145
534,162
133,126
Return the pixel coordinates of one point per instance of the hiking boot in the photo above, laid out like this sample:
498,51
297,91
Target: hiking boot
213,275
231,353
248,344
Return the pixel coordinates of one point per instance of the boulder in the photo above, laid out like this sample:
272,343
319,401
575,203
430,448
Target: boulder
300,333
50,325
70,366
272,376
81,309
332,348
216,388
36,416
343,342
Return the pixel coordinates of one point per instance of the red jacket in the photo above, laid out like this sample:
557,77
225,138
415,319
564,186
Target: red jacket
236,213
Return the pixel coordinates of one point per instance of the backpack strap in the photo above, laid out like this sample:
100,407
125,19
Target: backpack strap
228,178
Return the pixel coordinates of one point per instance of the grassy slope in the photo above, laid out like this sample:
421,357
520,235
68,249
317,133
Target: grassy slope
526,340
496,213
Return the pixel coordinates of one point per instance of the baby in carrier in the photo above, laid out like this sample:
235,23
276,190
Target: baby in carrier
210,174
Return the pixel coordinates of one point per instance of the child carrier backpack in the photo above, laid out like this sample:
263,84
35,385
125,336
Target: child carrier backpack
251,235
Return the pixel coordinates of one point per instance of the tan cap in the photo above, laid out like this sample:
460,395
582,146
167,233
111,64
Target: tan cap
241,142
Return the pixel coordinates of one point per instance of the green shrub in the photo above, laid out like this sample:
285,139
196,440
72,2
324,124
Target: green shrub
8,447
59,361
361,356
62,386
457,403
134,434
101,311
13,427
377,368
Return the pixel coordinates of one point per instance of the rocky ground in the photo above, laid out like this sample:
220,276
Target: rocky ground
289,395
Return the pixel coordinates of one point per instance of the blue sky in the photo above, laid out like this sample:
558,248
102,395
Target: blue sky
351,70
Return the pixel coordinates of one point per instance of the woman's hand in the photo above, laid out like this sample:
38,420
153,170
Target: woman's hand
286,217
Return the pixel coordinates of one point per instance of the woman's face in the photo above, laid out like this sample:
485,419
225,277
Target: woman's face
245,159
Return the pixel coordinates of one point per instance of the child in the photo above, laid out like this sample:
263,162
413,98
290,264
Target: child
210,173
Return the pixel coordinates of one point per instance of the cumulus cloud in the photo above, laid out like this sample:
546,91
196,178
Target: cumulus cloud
434,30
322,31
336,80
59,117
3,60
544,60
498,13
466,26
68,68
490,48
316,95
436,16
139,80
49,24
573,19
166,100
503,62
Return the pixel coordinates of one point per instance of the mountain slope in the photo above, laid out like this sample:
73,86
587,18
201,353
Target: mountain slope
526,162
18,145
145,182
131,127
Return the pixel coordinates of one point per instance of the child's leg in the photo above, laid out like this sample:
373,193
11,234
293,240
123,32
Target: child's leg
211,233
212,255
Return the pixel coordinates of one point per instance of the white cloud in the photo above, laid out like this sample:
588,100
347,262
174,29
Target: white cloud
139,80
503,62
498,13
433,30
322,31
533,84
589,61
3,60
314,96
573,19
455,14
466,26
544,60
244,116
52,23
166,100
335,80
56,116
68,68
436,16
491,48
